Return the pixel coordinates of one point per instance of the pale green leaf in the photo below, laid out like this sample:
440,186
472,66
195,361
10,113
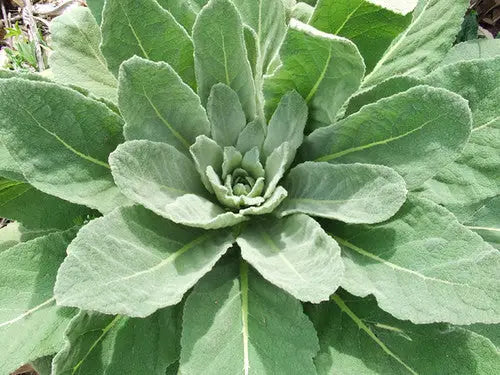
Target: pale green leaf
476,81
106,344
183,11
226,115
422,46
43,365
295,254
352,193
133,262
371,27
8,166
158,106
251,136
423,266
323,68
10,235
152,33
467,182
31,325
251,46
471,50
356,337
271,203
267,19
276,166
382,90
61,141
161,178
302,12
485,221
235,322
206,152
286,124
76,58
409,132
36,210
220,54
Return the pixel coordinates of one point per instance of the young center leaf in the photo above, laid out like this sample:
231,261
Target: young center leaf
133,262
246,316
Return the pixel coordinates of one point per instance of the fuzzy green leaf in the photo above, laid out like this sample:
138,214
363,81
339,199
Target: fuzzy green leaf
220,54
10,235
323,68
226,115
409,132
236,322
352,193
31,325
422,46
161,178
356,337
183,11
251,136
133,262
152,33
105,344
485,221
8,166
206,152
422,265
158,106
23,203
473,49
77,59
96,7
61,141
371,27
295,254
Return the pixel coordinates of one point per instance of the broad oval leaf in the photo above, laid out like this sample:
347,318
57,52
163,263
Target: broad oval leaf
485,222
31,325
295,254
133,262
370,26
161,178
106,344
422,46
127,32
158,106
409,132
245,316
323,68
423,266
61,141
356,337
77,59
218,34
352,193
472,50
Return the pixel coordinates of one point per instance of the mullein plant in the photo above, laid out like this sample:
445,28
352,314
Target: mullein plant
252,187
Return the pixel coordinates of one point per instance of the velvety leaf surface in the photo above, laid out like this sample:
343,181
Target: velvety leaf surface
10,235
323,68
356,337
421,46
206,152
371,27
422,265
152,33
96,7
21,202
471,50
8,166
158,106
220,54
31,325
409,132
476,81
133,262
77,59
295,254
236,322
161,178
352,193
251,136
267,19
226,115
384,89
485,222
183,11
61,141
106,344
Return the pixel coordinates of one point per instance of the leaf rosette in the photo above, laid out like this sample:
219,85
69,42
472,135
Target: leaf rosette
203,179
